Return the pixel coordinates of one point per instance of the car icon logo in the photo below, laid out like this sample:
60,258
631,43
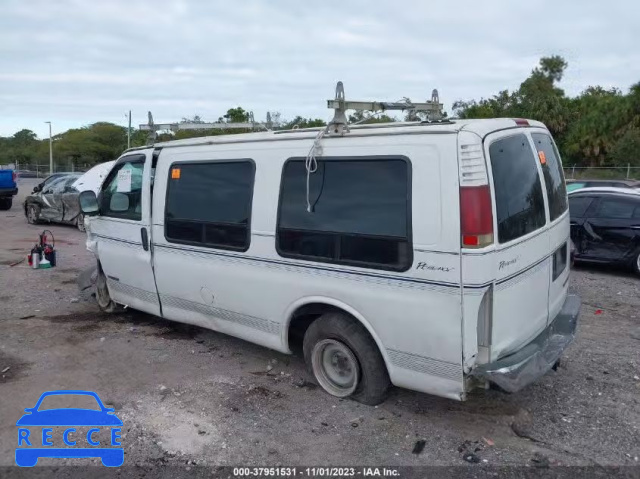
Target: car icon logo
32,445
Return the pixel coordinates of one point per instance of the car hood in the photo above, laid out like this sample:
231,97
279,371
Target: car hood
92,179
69,417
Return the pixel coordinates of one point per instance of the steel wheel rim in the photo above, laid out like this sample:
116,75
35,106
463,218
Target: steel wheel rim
80,224
638,263
335,367
31,214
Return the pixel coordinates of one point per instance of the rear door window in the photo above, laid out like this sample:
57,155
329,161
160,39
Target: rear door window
616,208
360,212
578,205
553,175
518,191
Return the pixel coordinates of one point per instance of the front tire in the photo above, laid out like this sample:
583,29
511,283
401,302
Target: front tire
6,203
345,360
636,266
80,223
33,214
103,298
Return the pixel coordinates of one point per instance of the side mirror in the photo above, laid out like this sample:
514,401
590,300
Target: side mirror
88,203
119,203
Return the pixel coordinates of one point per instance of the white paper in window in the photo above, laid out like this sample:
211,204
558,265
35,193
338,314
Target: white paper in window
124,181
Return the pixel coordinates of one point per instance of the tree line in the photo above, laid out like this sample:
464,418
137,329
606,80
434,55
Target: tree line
599,127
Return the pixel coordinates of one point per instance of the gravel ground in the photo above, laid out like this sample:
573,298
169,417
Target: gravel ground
189,396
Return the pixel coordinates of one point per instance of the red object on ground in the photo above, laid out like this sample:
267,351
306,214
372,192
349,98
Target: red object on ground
598,311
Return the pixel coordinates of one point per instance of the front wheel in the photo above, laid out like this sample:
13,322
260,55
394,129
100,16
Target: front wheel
80,223
345,360
105,303
636,266
33,214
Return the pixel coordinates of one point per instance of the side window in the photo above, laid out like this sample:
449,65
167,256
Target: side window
553,175
121,195
518,191
616,208
209,204
54,186
360,212
578,205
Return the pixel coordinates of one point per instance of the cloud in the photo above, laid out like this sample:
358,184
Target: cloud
74,62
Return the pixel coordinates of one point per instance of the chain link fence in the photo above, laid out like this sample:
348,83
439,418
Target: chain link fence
602,173
42,170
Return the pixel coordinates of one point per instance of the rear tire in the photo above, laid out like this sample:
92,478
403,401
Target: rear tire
345,360
33,214
6,203
636,266
103,298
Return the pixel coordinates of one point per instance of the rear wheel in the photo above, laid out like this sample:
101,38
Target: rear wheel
345,360
33,214
636,266
6,203
105,303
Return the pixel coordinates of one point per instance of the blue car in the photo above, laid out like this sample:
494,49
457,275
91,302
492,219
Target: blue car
103,418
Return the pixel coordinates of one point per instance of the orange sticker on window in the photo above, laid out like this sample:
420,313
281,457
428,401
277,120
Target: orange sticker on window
543,158
175,173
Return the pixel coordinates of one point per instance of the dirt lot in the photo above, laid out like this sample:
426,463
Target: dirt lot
191,396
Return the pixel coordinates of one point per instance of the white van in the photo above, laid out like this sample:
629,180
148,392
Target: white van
428,255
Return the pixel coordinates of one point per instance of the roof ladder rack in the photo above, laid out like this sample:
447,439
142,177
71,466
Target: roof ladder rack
153,128
339,125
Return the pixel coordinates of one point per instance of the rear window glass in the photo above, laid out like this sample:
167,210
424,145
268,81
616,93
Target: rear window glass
616,208
578,205
518,192
553,175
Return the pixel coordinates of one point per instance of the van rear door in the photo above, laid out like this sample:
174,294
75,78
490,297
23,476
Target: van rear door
522,263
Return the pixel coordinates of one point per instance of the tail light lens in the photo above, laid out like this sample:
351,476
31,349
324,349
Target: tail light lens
476,217
14,176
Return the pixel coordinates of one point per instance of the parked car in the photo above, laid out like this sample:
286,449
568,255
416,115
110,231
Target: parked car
382,260
56,202
26,174
573,185
8,189
605,226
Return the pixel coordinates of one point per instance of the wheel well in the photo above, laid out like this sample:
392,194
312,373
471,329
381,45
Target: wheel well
302,319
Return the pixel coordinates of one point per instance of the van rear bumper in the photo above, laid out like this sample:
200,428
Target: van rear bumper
517,370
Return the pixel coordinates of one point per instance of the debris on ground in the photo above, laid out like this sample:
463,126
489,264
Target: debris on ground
28,316
488,441
598,311
472,458
75,300
540,460
6,369
521,424
418,447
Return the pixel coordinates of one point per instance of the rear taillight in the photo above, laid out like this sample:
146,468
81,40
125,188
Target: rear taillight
13,176
476,217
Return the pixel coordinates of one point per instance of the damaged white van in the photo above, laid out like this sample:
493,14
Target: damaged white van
428,255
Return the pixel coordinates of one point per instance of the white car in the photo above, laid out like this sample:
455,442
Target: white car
431,256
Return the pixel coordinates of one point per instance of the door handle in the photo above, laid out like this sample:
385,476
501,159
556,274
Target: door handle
145,238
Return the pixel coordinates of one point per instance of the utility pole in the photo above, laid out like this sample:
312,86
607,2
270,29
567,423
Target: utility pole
50,150
129,132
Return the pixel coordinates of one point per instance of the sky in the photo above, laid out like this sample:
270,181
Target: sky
75,62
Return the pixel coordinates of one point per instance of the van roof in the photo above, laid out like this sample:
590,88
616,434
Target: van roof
480,127
605,189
